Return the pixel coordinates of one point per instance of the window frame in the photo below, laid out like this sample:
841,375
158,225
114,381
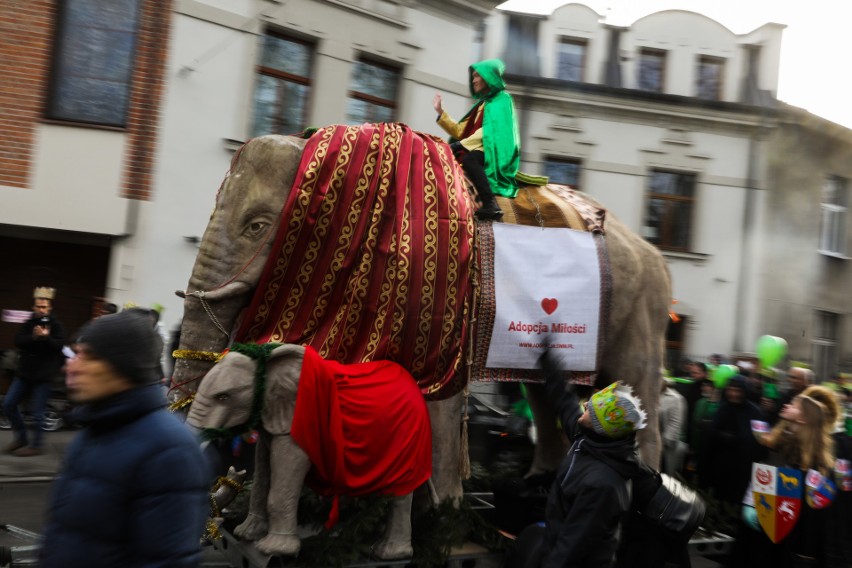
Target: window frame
833,218
565,160
578,41
692,200
305,81
652,51
62,35
373,99
824,346
720,84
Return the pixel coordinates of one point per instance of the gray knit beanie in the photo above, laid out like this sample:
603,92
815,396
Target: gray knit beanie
129,342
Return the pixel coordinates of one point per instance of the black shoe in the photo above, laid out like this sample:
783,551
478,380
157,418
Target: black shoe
490,212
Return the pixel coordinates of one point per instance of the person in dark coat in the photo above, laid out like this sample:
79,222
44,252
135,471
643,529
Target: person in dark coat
133,490
732,443
39,341
591,492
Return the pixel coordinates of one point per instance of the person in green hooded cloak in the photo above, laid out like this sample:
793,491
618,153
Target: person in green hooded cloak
486,140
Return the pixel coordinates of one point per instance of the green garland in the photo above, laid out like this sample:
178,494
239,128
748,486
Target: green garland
435,531
260,353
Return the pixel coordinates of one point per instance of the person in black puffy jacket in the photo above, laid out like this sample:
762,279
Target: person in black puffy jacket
133,490
591,492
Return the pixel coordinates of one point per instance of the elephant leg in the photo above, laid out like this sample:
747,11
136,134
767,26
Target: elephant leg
396,542
256,524
638,363
550,446
445,416
288,466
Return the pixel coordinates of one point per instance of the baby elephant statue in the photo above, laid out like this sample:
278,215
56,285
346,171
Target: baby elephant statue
344,429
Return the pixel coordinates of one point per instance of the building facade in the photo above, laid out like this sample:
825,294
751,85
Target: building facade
123,115
806,274
79,105
665,122
121,118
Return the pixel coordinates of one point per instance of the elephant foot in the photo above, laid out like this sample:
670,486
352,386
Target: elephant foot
393,550
253,528
279,544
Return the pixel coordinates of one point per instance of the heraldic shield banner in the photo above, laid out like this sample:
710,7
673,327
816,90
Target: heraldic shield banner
777,495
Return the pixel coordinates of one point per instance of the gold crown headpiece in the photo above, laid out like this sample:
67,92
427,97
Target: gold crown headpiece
43,292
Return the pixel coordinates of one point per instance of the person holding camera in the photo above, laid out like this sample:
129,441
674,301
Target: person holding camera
39,342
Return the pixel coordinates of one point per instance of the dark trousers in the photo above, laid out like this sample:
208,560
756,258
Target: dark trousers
473,164
38,393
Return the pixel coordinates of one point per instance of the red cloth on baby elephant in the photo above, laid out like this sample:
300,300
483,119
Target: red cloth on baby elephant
365,427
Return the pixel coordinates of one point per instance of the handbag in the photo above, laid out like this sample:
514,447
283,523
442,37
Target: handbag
675,507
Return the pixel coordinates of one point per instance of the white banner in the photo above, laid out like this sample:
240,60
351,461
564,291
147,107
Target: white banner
547,286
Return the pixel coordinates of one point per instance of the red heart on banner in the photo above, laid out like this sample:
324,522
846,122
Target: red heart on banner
549,305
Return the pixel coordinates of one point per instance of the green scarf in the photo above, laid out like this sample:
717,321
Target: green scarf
500,138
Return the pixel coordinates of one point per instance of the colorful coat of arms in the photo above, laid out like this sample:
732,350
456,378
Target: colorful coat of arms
777,495
820,490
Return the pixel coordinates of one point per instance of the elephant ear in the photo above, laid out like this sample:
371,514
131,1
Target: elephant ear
283,368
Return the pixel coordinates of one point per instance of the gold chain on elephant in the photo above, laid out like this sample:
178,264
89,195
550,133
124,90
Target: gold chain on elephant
538,216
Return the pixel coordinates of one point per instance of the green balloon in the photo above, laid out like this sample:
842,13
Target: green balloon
722,374
770,350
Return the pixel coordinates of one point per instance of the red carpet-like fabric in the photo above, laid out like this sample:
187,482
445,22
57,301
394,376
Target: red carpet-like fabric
373,258
365,427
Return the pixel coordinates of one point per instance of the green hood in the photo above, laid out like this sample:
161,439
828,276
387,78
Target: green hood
501,141
491,71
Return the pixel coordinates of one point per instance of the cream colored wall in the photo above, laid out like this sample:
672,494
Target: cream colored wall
618,154
75,182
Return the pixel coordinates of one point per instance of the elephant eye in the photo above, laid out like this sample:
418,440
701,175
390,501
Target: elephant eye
222,396
255,229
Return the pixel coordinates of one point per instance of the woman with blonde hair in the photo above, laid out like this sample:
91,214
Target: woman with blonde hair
839,527
802,438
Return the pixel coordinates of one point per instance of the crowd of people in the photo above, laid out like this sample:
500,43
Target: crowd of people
716,431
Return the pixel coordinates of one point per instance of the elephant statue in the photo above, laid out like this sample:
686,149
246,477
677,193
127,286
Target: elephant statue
241,240
365,447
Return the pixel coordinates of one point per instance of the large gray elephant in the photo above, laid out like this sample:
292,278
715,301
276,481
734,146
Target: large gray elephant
233,255
233,395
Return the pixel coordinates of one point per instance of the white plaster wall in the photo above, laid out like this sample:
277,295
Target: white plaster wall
201,108
75,182
616,158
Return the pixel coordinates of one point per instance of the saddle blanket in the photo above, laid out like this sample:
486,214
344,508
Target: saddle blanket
544,283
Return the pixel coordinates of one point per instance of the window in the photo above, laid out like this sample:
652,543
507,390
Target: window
283,86
671,198
563,171
675,341
652,69
824,343
93,61
832,237
372,97
709,83
571,59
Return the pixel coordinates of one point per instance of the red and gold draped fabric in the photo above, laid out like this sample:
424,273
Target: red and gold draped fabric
373,258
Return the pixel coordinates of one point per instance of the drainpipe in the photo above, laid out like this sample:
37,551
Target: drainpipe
750,94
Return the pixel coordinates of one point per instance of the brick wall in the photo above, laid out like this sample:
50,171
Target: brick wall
26,31
26,43
146,98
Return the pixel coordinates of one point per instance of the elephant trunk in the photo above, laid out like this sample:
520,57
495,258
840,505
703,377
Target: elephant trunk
211,314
